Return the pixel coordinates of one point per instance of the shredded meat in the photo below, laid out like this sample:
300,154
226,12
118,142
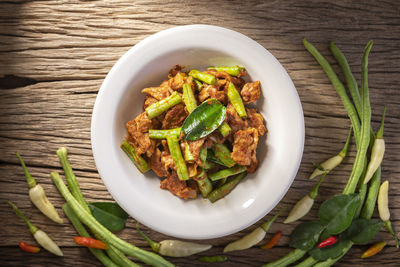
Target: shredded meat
235,122
175,117
157,92
148,101
174,71
177,81
212,91
195,147
178,187
156,164
244,146
256,120
251,92
167,161
138,130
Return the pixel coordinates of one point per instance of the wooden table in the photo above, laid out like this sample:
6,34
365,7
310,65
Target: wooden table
55,55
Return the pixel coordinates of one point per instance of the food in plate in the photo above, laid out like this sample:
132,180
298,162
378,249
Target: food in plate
197,131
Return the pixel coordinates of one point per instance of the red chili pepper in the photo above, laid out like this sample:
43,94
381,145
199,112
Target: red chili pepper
89,242
274,240
328,242
27,248
374,249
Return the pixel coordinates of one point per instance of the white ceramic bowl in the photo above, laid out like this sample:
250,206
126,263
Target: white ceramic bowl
120,100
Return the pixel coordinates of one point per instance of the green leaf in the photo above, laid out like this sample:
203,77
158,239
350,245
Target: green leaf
109,214
305,235
363,230
331,252
338,212
212,158
204,119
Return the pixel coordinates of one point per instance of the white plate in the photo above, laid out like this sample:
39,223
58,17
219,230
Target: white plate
120,100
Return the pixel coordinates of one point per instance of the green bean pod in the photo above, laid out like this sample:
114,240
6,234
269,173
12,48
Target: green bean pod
224,129
162,134
204,184
225,189
176,153
140,163
163,105
204,77
188,98
98,253
236,100
290,258
108,237
223,154
227,172
234,71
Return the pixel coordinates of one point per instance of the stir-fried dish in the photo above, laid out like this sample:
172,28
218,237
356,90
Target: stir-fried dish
197,131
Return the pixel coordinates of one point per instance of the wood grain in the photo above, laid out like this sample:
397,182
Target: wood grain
55,54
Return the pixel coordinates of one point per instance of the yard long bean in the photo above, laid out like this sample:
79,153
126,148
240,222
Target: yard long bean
223,154
104,233
236,100
163,105
226,172
204,77
188,97
99,254
340,89
226,188
176,153
162,134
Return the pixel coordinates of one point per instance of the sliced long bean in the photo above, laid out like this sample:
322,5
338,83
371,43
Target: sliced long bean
226,188
203,158
224,129
86,218
234,71
163,105
162,134
223,154
226,172
187,153
340,89
236,100
204,184
140,163
99,254
204,77
188,97
176,153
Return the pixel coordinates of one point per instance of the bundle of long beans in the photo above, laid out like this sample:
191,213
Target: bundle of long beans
359,111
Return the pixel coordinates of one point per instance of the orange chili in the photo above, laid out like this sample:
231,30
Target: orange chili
328,242
27,248
274,240
89,242
374,249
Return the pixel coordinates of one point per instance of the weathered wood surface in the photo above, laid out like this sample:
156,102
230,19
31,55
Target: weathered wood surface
54,55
